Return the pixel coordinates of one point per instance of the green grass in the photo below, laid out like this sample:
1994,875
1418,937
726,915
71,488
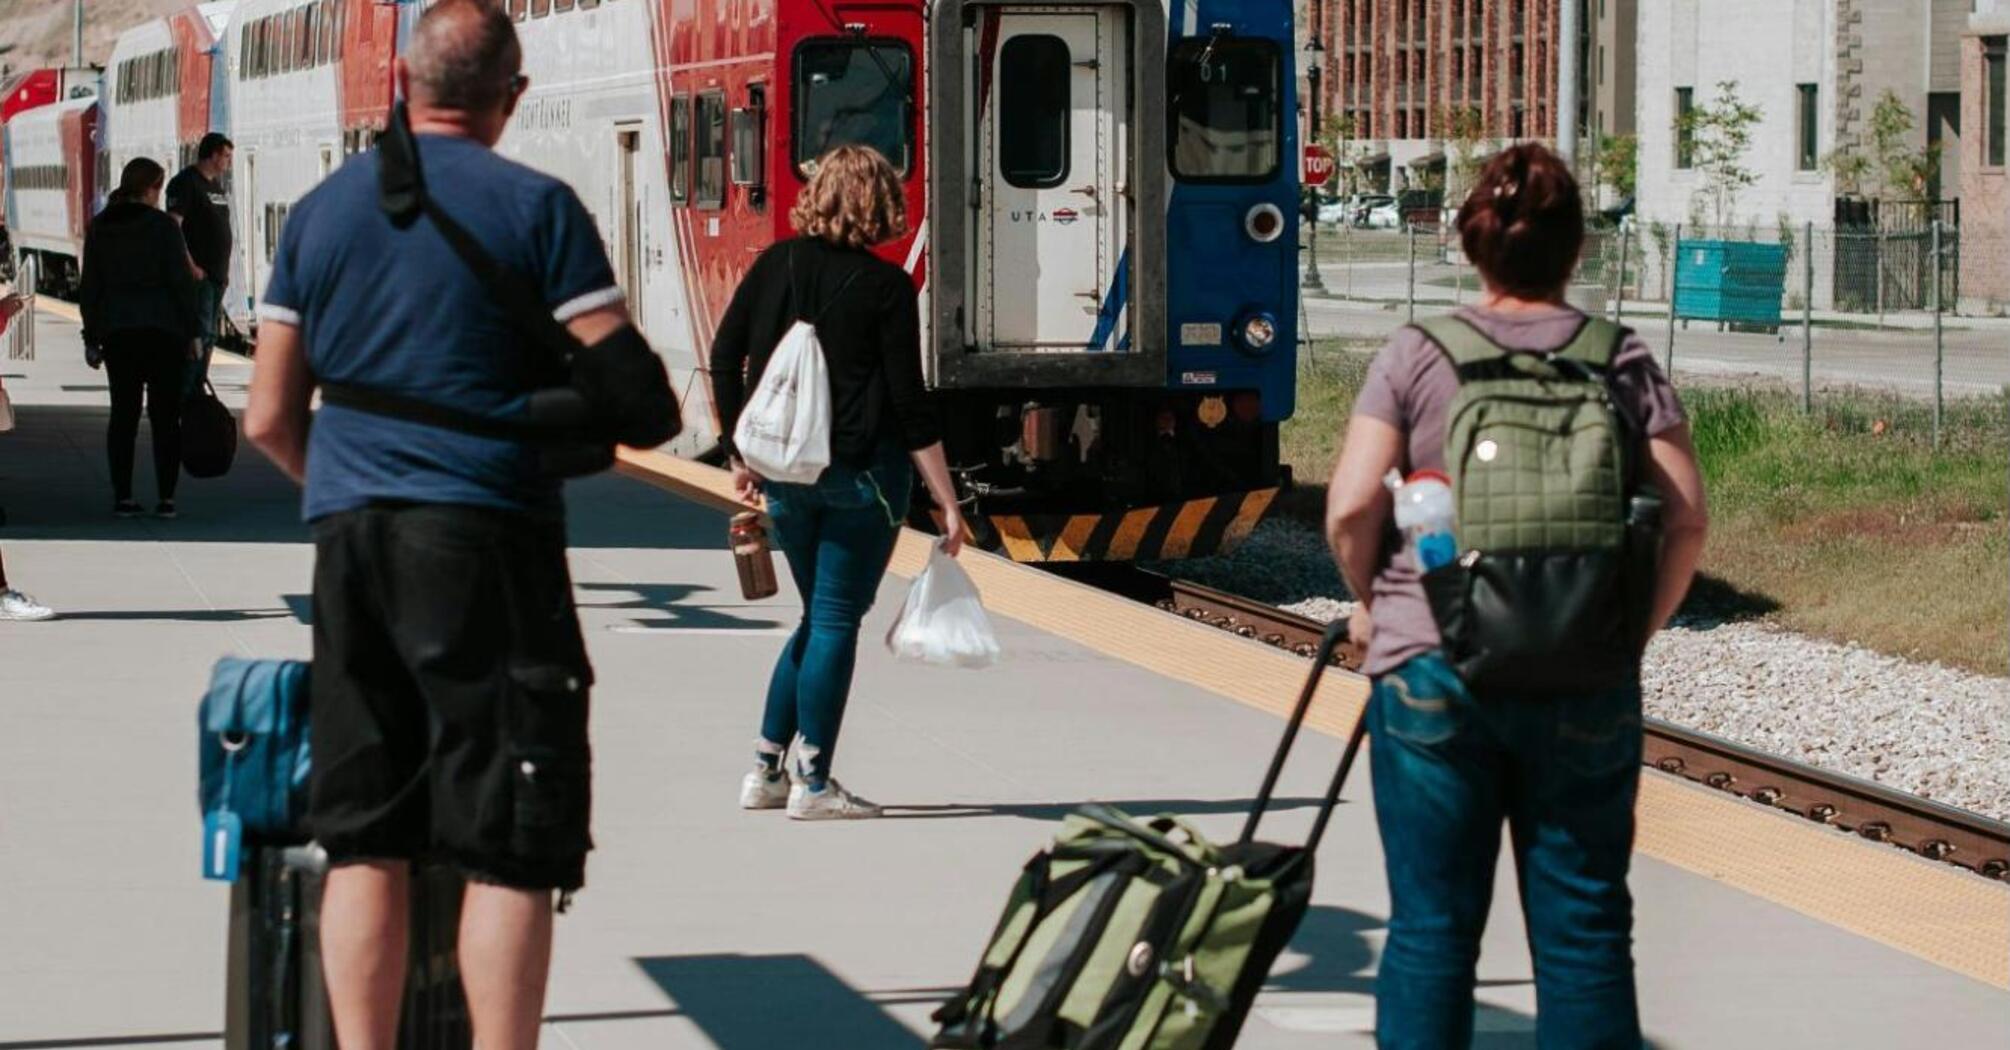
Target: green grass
1845,524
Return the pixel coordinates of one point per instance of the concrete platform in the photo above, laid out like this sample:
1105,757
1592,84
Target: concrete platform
703,926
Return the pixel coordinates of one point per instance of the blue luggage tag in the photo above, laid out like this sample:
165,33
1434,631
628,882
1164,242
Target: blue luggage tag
222,845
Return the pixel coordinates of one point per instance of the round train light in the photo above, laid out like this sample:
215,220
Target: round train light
1264,223
1257,332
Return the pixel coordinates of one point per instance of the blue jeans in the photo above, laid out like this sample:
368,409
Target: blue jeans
208,305
1562,772
837,535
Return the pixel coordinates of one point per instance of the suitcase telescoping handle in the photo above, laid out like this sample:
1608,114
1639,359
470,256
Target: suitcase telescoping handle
1336,632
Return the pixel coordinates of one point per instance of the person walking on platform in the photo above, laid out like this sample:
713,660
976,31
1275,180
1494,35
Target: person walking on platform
1506,677
838,532
138,300
198,201
450,677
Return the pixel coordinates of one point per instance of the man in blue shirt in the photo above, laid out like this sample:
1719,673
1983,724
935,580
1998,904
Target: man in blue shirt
450,676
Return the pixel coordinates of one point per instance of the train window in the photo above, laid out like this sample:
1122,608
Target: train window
1224,112
540,8
710,191
749,154
324,32
517,9
680,148
561,5
585,4
854,91
1033,110
303,37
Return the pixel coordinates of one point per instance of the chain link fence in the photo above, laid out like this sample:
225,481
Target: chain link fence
1912,315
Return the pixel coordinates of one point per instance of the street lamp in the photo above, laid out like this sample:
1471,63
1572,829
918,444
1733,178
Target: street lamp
1313,59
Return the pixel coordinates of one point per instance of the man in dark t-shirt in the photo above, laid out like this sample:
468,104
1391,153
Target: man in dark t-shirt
450,676
197,200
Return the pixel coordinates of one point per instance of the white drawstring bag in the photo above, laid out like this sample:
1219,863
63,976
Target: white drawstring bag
943,619
784,433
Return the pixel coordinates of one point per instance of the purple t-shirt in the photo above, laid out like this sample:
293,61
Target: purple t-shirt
1410,386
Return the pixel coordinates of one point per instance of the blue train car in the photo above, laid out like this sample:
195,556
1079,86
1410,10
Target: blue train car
1112,239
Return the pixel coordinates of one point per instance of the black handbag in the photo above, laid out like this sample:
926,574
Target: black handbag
615,391
208,435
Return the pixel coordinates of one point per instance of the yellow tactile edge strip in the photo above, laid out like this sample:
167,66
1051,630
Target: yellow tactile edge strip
1932,911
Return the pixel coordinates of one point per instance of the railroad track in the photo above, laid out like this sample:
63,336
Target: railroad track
1860,807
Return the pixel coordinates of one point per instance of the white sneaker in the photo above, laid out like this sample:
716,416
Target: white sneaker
832,803
760,791
17,606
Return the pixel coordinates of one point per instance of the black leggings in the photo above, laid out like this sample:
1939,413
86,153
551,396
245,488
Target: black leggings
154,364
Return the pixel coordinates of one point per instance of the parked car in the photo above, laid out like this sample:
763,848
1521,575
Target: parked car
1334,210
1365,204
1382,214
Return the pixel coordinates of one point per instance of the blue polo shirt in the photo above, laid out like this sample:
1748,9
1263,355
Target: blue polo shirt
397,310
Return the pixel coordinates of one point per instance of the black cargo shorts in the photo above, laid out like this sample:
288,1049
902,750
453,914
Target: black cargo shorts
450,693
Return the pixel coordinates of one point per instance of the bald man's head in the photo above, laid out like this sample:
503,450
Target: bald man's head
463,56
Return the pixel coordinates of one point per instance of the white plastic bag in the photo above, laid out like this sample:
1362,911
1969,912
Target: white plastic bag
784,432
943,620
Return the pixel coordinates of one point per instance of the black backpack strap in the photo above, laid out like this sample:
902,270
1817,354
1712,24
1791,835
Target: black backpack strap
415,410
401,193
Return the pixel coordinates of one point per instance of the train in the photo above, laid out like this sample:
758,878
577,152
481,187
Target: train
1102,199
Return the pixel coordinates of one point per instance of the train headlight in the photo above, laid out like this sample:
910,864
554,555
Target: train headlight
1257,332
1264,223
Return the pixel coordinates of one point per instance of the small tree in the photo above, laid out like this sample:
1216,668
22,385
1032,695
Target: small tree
1719,132
1464,130
1849,165
1619,162
1907,172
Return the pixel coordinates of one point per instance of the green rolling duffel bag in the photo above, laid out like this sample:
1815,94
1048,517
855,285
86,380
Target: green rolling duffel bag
1135,933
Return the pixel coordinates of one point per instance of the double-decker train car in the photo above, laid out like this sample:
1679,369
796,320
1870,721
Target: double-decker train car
18,94
1100,200
308,83
54,186
160,94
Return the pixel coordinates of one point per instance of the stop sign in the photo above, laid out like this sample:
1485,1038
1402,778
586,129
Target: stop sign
1317,166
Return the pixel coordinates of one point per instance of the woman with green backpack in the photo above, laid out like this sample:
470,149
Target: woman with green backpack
1506,666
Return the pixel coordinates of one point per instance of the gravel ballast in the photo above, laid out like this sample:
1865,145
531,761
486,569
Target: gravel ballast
1922,728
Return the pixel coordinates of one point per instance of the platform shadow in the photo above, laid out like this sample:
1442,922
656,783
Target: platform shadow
759,1002
183,615
679,613
55,485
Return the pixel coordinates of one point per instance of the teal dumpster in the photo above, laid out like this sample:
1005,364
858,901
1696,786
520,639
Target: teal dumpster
1737,282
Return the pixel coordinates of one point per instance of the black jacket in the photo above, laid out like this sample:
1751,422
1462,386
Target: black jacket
136,275
871,335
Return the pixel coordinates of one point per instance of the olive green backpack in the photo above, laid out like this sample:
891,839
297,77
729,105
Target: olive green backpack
1557,536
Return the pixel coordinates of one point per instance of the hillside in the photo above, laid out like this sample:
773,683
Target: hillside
38,31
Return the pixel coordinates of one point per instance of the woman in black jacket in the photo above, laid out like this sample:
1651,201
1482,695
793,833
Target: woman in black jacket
837,532
139,307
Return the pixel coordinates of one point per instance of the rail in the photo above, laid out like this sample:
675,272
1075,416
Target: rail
1861,807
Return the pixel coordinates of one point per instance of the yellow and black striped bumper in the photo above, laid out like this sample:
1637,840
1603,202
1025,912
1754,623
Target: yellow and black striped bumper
1213,525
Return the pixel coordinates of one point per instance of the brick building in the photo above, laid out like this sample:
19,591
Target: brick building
1984,178
1395,68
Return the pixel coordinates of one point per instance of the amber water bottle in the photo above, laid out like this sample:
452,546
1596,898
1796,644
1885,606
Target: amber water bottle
752,556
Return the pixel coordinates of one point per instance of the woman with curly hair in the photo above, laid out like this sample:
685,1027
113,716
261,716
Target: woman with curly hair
837,532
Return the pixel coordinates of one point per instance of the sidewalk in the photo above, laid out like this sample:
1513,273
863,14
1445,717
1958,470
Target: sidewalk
701,925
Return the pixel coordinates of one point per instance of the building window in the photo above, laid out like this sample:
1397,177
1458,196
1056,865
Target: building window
1810,151
1601,64
1685,103
1996,115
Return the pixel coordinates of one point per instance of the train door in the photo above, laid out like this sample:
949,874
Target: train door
1051,228
628,214
1047,191
250,244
